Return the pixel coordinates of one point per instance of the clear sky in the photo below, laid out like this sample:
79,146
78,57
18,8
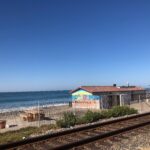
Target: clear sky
62,44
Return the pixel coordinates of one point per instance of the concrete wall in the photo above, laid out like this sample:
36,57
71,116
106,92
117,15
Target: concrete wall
89,104
84,99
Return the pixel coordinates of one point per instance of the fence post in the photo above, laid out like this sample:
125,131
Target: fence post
74,109
120,100
140,103
38,114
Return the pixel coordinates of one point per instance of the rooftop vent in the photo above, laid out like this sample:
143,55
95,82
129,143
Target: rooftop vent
114,85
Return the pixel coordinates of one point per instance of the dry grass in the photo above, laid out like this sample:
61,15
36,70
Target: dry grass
12,136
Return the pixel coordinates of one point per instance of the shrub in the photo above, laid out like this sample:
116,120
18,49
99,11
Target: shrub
117,111
69,119
132,111
104,114
91,116
80,120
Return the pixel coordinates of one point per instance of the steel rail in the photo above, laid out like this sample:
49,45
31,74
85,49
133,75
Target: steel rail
62,133
99,137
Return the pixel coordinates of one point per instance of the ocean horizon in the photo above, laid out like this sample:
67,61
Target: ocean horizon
12,101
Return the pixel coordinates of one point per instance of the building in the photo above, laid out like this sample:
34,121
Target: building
104,97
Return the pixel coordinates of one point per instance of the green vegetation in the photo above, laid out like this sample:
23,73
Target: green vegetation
12,136
121,111
69,119
91,116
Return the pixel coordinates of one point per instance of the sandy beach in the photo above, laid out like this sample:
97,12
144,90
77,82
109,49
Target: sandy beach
14,120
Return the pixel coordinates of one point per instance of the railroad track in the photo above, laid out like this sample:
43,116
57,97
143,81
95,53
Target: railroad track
136,139
81,136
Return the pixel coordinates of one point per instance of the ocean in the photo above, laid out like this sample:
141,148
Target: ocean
11,101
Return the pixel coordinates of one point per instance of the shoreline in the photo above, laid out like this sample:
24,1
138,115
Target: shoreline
15,109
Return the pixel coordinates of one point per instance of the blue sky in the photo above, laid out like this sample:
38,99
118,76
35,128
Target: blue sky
50,45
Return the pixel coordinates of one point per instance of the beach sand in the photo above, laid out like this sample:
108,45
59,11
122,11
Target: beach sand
52,113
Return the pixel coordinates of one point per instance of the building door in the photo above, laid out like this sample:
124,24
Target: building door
118,100
110,101
114,100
